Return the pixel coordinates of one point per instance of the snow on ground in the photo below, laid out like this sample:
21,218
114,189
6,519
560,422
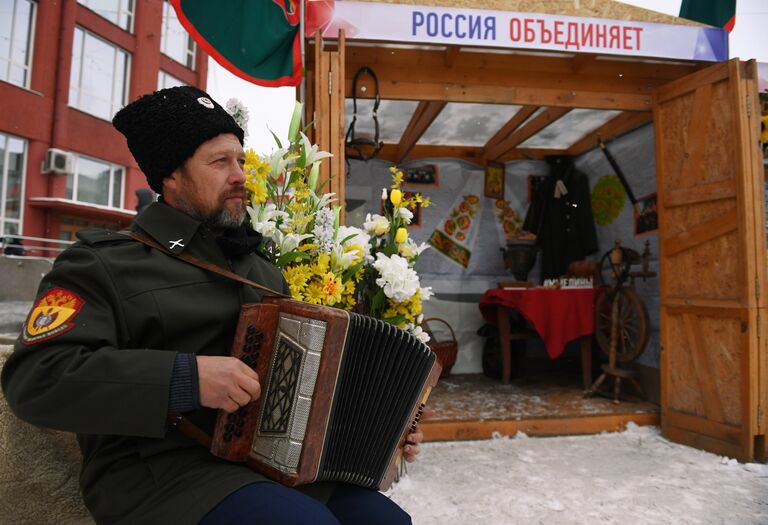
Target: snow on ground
633,477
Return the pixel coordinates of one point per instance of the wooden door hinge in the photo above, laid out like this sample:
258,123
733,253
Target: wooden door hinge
330,84
749,106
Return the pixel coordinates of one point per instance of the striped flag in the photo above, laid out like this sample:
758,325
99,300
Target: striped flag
718,13
255,40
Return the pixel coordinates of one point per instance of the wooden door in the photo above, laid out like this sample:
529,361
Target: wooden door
712,261
326,111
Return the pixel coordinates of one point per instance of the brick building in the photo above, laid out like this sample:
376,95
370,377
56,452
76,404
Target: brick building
66,67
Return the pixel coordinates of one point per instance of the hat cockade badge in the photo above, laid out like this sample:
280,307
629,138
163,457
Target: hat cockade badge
205,101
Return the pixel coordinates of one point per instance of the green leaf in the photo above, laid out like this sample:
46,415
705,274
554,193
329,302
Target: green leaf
348,237
290,257
322,186
313,174
377,302
395,320
302,160
336,215
293,128
279,144
351,271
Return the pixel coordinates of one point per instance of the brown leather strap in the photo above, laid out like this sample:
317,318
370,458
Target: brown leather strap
191,430
184,425
196,261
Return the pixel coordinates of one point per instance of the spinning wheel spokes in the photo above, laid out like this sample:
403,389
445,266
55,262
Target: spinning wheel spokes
633,325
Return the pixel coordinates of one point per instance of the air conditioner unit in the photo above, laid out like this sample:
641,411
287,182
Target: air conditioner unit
59,162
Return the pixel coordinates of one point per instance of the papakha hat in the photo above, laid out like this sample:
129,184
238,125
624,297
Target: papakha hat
165,128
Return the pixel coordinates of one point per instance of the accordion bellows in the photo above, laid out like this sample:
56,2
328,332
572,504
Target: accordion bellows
340,392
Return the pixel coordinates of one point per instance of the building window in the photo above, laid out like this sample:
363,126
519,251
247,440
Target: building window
13,159
98,83
96,182
119,12
175,41
166,80
17,29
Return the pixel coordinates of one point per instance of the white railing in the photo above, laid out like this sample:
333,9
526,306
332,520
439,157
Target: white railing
25,246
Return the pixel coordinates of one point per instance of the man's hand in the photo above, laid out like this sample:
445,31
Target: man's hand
226,382
411,448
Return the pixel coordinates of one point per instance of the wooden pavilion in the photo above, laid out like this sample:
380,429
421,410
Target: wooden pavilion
714,363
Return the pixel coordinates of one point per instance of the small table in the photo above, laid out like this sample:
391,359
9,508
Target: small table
557,315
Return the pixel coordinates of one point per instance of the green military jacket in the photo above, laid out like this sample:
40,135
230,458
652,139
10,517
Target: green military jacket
96,357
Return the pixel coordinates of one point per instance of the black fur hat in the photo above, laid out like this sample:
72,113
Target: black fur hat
165,128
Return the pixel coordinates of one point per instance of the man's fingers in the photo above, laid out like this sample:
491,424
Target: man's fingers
240,396
415,437
251,386
229,406
410,452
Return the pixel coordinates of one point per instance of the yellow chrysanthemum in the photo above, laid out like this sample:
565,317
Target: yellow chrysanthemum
314,293
321,264
297,276
251,157
257,192
332,288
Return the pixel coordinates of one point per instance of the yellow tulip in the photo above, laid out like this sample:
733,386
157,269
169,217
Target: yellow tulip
396,196
401,235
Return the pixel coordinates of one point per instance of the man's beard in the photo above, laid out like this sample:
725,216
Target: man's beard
219,220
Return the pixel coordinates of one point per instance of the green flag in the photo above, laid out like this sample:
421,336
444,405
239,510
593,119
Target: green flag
718,13
257,40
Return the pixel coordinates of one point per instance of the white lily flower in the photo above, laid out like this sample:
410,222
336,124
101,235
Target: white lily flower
287,242
325,200
376,224
358,237
278,163
405,214
266,227
311,151
341,258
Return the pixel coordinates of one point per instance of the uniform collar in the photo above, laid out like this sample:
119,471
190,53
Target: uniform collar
168,226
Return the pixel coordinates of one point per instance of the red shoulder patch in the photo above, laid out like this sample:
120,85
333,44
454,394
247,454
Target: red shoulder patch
51,315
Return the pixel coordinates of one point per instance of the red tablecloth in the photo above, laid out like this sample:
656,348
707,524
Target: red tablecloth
557,315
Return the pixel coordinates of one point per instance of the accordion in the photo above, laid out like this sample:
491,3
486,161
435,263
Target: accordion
340,393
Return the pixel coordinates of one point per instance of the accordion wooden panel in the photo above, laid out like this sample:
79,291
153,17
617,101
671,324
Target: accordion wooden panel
340,392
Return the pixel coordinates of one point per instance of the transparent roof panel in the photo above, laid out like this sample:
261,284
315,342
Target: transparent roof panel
567,130
467,124
393,116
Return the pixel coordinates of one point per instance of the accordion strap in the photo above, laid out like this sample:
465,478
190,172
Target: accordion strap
196,261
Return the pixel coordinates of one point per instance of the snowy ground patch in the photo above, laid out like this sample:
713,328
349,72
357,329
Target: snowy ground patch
633,477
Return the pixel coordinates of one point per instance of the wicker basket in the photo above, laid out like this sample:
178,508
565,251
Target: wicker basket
445,350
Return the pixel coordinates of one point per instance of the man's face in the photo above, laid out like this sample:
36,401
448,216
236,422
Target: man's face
210,186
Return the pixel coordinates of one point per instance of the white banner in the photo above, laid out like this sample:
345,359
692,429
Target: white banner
504,29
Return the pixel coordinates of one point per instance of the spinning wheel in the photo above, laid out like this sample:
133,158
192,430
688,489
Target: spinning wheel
621,319
633,325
